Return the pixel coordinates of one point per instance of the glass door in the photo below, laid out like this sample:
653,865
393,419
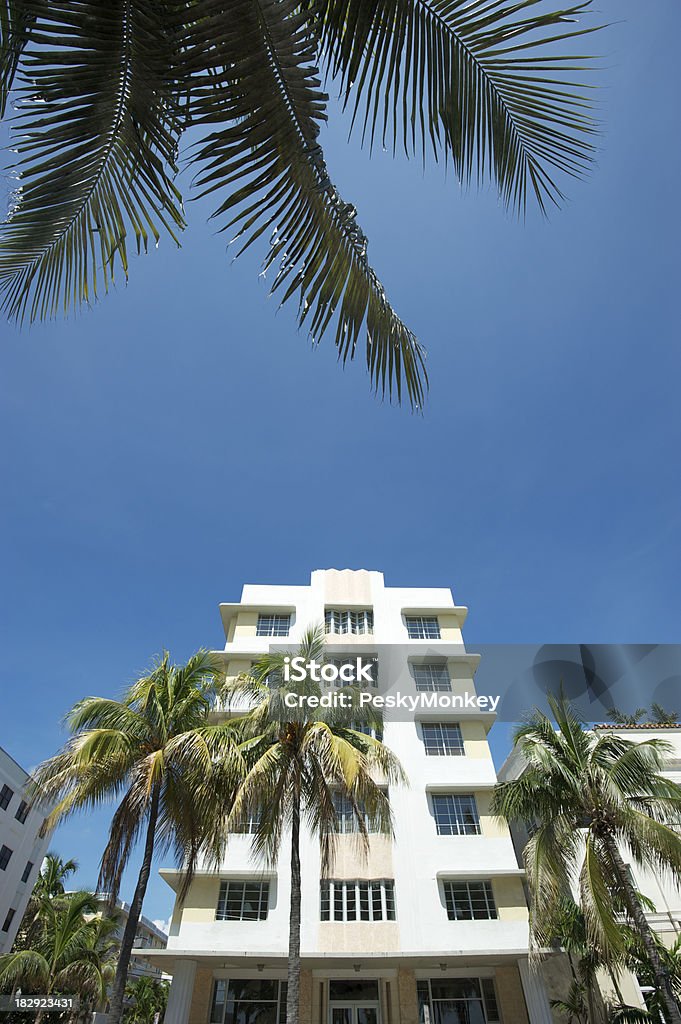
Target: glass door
353,1013
341,1013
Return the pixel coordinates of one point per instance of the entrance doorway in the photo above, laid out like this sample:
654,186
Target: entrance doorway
355,1001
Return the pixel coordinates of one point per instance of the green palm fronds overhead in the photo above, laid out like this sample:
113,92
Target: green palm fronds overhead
99,96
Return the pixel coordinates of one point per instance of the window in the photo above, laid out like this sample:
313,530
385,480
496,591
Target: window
369,666
22,811
273,625
423,627
432,677
355,990
347,819
8,920
248,825
248,1001
464,1000
5,854
338,620
442,739
368,730
456,814
27,871
243,901
6,795
357,901
469,901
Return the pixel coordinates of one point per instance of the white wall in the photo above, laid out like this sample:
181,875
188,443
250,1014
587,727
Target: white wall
26,845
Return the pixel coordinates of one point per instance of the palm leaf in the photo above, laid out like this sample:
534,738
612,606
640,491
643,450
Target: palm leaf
16,20
96,134
259,80
486,83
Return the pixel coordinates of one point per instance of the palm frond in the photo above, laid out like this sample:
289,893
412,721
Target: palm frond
96,135
485,83
16,21
261,83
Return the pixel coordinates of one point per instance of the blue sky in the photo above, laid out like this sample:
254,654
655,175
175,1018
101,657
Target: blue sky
182,439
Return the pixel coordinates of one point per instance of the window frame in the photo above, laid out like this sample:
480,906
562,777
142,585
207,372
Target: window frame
275,624
5,856
6,794
357,900
263,901
224,984
27,870
432,684
22,811
419,627
485,899
346,815
351,621
446,823
9,917
443,748
486,997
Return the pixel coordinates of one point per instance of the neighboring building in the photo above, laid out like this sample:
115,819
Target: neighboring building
662,890
147,936
23,844
432,922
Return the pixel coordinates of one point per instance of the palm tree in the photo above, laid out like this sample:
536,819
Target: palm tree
660,715
638,962
70,955
149,997
293,761
50,885
569,931
151,751
624,718
53,875
588,797
105,93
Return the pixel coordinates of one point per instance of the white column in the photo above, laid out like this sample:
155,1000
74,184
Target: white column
538,1009
181,991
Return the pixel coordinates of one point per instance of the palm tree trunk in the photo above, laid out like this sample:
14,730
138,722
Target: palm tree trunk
293,989
134,914
662,980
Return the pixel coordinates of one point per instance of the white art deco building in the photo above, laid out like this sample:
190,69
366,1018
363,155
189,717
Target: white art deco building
431,927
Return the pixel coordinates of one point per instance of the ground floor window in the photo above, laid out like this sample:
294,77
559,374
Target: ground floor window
248,1001
457,1001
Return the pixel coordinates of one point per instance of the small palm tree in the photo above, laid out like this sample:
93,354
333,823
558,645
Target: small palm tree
624,718
589,796
293,762
49,885
149,998
638,962
69,956
107,90
54,873
151,752
660,715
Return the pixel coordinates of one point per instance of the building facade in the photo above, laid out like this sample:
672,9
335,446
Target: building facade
23,844
429,924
